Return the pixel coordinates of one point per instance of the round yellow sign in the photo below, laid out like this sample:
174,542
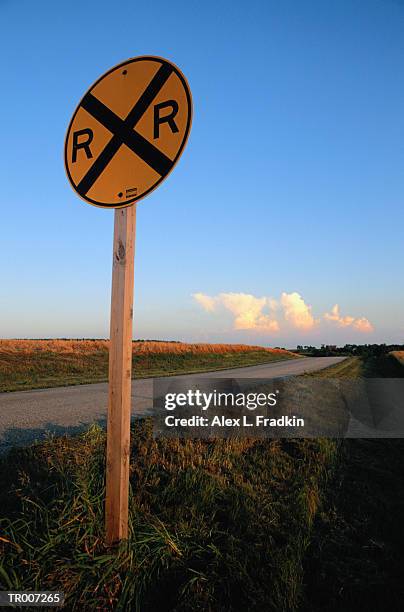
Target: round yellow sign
128,132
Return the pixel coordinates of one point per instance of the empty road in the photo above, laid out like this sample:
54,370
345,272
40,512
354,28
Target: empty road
27,415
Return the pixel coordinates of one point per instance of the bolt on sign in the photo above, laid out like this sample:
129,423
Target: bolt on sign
124,138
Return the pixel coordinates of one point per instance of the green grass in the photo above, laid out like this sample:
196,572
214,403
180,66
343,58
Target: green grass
352,367
355,559
290,525
219,525
383,366
41,369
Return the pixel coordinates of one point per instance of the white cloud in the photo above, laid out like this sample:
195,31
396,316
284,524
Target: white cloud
207,302
272,304
247,310
335,316
296,311
258,313
362,324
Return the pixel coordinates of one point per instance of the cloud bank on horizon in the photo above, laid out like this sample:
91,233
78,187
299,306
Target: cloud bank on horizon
361,324
265,314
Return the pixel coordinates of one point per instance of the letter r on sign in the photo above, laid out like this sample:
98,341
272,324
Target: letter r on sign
166,118
84,144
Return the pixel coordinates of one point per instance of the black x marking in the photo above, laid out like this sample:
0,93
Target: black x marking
124,133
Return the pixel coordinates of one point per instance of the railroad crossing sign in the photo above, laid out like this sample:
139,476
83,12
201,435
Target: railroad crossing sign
125,136
128,132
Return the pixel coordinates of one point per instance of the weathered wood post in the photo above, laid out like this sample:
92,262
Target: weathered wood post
120,374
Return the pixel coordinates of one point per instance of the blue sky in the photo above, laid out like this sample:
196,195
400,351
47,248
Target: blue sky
291,184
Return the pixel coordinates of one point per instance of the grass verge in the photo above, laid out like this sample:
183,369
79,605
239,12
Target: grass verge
399,355
219,525
39,364
229,525
355,558
352,367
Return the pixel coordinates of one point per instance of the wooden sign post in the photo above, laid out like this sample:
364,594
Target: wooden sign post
124,138
120,376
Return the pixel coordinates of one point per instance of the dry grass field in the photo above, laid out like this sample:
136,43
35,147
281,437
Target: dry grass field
147,346
33,364
399,355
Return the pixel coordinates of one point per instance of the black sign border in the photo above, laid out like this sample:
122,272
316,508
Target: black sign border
185,84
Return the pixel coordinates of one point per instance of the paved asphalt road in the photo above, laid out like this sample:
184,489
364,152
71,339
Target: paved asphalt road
28,415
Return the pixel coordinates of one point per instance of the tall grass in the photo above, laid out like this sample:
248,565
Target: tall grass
214,525
148,346
30,364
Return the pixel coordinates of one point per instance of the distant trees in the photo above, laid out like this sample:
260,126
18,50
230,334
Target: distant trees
362,350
